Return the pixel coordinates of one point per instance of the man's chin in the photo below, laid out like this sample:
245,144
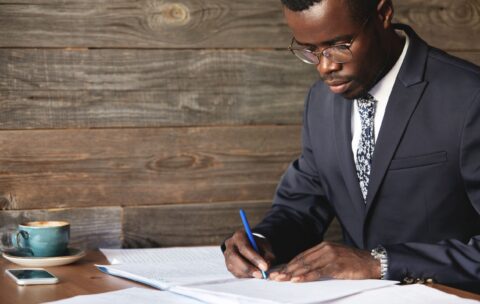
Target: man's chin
352,94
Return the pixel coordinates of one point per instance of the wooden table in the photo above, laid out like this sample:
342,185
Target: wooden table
83,278
79,278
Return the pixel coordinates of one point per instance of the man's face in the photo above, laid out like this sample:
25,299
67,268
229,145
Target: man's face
328,23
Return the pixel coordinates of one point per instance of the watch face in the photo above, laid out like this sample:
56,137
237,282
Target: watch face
376,253
379,250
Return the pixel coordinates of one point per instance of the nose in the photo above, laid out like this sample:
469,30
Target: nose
327,66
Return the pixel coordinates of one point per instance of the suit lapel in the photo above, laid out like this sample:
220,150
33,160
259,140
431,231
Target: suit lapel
404,98
397,115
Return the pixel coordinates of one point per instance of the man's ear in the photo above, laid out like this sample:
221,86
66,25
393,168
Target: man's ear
385,13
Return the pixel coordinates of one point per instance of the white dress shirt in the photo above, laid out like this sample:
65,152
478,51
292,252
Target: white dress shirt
381,92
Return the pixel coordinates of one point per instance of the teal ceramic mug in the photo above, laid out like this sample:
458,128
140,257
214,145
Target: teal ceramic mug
42,238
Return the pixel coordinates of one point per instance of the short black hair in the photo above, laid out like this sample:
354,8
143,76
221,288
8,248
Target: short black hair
359,9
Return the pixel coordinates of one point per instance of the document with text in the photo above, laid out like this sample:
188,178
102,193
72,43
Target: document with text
164,268
200,273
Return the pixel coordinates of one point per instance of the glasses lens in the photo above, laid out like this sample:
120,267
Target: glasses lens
338,53
306,56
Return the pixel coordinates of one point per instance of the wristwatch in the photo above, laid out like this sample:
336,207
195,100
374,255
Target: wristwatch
380,254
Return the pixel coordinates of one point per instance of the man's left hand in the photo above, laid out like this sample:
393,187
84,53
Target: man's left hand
329,260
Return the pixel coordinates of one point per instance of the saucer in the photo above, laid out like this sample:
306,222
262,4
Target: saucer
73,255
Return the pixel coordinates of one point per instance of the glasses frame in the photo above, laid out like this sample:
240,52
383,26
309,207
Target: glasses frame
324,52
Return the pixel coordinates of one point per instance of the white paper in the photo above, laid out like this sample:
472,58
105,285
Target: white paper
200,272
162,256
257,291
133,295
166,267
164,276
411,294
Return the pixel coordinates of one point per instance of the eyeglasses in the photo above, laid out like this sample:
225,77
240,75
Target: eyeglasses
338,53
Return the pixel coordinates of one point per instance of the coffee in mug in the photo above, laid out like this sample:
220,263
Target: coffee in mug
43,238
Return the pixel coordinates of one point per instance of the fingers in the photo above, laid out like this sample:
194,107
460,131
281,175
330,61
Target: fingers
309,261
309,267
252,256
279,275
239,266
329,260
330,271
313,275
242,260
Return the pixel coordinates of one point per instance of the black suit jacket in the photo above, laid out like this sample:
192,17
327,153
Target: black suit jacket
423,201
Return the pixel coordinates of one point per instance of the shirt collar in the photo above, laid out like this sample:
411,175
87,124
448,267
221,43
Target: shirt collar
381,91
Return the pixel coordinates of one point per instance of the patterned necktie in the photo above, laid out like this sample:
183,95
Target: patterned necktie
366,145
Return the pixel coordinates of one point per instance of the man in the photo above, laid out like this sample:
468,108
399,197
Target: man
391,147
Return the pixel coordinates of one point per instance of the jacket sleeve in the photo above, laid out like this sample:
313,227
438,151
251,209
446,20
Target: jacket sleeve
450,261
300,214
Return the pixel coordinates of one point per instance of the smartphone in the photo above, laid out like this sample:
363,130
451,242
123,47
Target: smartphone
31,276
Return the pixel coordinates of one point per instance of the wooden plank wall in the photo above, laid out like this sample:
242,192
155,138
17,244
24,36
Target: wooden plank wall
149,123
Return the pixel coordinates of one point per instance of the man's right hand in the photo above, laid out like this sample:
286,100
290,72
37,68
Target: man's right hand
242,260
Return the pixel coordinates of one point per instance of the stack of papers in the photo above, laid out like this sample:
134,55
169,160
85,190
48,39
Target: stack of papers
411,294
200,273
192,275
168,267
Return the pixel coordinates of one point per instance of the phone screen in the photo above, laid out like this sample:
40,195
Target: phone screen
31,274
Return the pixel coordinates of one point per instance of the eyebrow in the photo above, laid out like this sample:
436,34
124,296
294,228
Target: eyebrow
333,41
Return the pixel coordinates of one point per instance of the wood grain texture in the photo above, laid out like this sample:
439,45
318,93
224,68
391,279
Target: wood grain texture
194,225
457,292
88,89
126,167
44,88
187,225
473,57
144,23
79,278
449,24
89,227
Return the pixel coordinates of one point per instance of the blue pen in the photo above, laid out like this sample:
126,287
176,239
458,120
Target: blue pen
250,236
